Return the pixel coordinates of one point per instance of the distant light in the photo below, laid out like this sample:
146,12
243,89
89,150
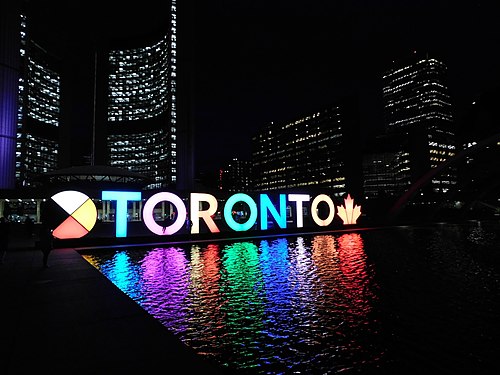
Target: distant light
473,103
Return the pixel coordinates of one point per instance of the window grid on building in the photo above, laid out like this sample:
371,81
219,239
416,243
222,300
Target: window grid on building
142,85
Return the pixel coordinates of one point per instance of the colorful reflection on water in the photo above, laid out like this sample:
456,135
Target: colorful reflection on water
401,300
292,303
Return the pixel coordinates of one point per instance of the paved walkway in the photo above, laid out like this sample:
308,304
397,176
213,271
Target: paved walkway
70,319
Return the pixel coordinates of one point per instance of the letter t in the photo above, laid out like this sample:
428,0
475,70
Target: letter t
121,198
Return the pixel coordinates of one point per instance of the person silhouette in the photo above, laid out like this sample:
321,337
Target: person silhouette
4,237
188,224
29,225
166,223
46,243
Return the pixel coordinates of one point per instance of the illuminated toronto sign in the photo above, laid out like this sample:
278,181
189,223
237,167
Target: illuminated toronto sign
202,209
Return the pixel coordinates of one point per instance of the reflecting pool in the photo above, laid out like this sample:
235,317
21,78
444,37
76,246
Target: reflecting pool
396,300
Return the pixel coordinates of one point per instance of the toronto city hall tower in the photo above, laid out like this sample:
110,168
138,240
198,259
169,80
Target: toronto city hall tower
133,121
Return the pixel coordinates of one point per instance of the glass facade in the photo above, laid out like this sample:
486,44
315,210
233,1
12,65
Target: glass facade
9,82
417,105
236,177
379,174
416,95
317,150
38,111
142,108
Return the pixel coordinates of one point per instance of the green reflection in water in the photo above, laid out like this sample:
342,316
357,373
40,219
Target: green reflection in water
244,309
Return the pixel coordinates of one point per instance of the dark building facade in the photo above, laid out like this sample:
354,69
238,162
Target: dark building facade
39,109
318,150
478,163
382,160
236,176
108,102
138,123
139,114
103,102
418,119
10,30
31,103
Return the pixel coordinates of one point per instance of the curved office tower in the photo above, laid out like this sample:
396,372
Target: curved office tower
9,77
39,115
141,108
29,134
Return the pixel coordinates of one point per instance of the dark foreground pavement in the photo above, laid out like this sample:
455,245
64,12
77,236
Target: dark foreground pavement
70,319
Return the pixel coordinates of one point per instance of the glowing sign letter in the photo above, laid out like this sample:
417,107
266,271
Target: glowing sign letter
228,208
314,210
299,198
148,213
196,213
121,198
349,214
267,205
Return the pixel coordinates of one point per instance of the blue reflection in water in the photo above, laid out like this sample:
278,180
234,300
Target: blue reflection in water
295,303
397,300
124,273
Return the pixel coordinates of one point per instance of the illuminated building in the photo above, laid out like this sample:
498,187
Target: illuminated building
236,176
120,108
136,105
9,73
319,150
417,108
31,104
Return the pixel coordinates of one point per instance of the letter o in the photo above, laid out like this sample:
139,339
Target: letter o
314,206
228,207
148,213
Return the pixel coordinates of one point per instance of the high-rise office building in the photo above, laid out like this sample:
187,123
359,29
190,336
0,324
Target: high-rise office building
136,105
418,109
381,160
113,103
9,82
479,161
39,114
141,124
318,150
236,176
31,103
106,101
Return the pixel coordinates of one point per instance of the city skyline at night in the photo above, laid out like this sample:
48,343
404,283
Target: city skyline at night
251,187
254,63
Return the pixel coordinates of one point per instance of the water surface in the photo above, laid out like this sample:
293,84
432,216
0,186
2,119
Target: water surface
398,300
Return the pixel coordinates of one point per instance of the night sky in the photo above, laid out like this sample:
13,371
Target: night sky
261,61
